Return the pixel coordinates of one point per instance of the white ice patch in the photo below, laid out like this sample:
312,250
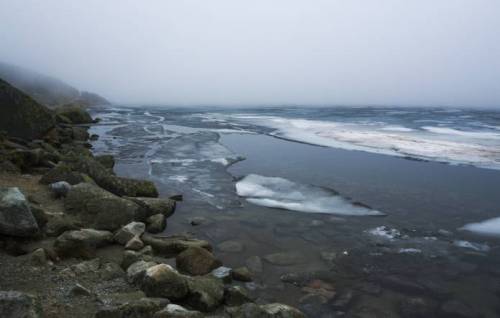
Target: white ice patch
488,227
281,193
178,178
385,232
410,250
478,148
471,245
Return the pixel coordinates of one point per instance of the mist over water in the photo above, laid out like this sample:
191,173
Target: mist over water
261,52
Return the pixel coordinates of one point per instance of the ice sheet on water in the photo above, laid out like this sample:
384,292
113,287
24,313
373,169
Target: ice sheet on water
479,247
281,193
488,227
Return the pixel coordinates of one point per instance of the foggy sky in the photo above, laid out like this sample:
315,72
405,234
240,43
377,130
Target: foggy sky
263,52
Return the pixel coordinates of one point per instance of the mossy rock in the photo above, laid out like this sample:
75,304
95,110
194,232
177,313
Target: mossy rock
21,116
75,114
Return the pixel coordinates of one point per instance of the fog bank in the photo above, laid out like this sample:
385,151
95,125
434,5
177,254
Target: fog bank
262,52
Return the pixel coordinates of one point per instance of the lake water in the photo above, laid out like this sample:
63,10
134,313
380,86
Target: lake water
372,201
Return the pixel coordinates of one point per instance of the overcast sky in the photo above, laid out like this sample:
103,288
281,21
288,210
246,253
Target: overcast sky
261,52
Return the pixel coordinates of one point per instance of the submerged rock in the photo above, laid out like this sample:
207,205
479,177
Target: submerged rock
16,218
242,274
98,208
254,264
285,258
15,304
196,261
230,247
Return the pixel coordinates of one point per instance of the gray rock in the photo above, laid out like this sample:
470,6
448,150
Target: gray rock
236,296
223,273
196,261
98,208
176,311
282,311
163,281
205,293
79,290
129,231
39,257
173,245
152,206
135,308
15,304
134,244
60,189
111,271
242,274
82,243
156,223
136,271
254,264
86,267
285,258
108,161
16,218
230,247
275,310
130,257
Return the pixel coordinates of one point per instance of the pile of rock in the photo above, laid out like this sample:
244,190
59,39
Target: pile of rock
103,211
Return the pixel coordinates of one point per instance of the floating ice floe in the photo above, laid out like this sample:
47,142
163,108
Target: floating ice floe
410,250
471,245
489,227
281,193
385,232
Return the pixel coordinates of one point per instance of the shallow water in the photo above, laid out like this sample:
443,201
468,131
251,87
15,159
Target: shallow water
416,250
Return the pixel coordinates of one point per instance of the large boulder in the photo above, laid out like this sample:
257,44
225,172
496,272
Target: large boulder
82,243
16,218
196,261
98,208
15,304
107,180
156,223
136,271
173,245
75,114
205,293
164,281
21,116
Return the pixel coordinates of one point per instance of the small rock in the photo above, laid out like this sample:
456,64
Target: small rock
156,223
15,304
86,267
129,231
230,247
254,264
176,311
223,273
205,293
39,257
285,258
242,274
173,245
196,261
60,189
163,281
197,220
134,244
79,290
111,271
136,271
236,296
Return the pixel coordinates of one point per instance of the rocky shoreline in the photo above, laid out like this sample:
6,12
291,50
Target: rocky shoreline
78,240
